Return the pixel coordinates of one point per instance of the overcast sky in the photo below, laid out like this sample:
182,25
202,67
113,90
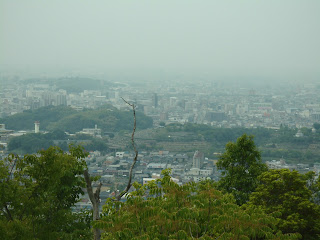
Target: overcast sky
258,37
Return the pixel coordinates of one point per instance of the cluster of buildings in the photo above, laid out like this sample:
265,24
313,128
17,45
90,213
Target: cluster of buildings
114,169
184,168
301,167
221,104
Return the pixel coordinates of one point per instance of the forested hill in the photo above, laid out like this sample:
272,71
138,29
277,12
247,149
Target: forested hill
67,119
74,84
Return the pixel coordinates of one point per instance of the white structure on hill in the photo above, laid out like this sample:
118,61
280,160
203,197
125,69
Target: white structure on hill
91,131
36,127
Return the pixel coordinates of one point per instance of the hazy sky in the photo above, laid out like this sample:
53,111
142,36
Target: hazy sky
258,37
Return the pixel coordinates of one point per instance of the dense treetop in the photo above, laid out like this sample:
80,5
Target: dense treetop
240,165
37,193
162,209
293,196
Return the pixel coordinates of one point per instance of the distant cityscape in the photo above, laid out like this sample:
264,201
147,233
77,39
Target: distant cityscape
222,105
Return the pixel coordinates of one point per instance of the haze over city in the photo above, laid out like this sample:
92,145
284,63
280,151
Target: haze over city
168,119
263,40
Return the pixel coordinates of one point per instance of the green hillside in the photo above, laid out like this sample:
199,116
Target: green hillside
73,84
274,143
51,118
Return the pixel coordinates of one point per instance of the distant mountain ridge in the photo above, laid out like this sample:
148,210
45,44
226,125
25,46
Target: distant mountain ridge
74,84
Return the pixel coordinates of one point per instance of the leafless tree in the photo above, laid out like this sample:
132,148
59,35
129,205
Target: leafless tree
95,201
118,197
95,196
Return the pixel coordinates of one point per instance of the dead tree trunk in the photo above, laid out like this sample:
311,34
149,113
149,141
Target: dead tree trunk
135,151
95,196
95,200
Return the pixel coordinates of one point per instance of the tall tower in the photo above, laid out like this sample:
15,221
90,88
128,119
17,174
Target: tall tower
36,127
198,159
155,100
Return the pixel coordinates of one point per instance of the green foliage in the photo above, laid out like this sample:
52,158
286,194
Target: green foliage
96,144
79,84
241,165
162,209
37,193
273,143
316,126
162,124
67,119
73,84
29,143
222,135
57,134
286,192
313,184
46,115
34,142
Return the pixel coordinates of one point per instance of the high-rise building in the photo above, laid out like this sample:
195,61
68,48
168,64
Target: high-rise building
61,99
173,101
215,116
198,159
163,116
155,100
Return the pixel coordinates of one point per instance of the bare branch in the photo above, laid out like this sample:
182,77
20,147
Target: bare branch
95,200
12,167
130,104
190,231
135,150
89,185
97,192
8,213
94,197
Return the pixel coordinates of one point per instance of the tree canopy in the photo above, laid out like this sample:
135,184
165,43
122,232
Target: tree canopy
241,165
37,193
29,143
162,209
287,192
65,118
33,142
39,190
